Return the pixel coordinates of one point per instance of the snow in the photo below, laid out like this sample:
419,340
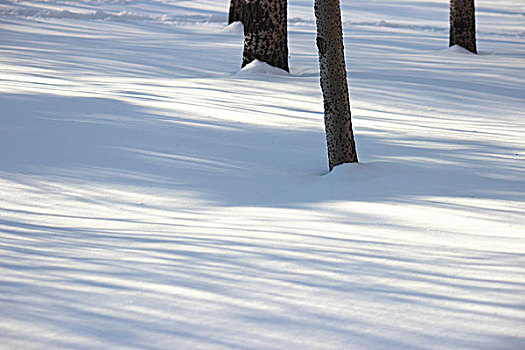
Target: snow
258,67
155,195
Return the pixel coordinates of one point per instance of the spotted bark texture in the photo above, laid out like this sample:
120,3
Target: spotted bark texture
265,33
463,24
237,9
337,116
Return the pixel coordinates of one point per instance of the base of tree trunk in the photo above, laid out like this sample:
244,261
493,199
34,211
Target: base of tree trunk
463,24
265,33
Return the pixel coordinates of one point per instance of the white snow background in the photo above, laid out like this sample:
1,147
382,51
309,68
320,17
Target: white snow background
154,196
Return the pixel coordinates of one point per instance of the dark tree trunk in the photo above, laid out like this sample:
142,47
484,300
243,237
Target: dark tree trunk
337,116
236,13
463,24
265,33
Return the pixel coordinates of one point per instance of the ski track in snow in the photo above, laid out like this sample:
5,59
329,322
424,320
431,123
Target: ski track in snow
106,16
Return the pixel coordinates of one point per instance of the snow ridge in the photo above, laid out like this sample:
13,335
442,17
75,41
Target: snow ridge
398,25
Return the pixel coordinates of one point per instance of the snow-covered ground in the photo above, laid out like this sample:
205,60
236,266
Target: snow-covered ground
154,196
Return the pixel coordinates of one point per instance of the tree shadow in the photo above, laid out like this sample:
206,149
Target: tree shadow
101,281
110,141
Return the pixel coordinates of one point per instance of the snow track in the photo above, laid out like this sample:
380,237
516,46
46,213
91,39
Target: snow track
106,16
91,10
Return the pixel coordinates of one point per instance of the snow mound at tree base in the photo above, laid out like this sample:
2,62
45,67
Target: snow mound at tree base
258,67
456,49
235,28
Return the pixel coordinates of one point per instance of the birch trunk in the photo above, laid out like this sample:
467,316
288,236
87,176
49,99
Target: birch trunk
337,116
265,33
463,24
236,13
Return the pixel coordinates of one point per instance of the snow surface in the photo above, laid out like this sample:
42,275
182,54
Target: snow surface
258,67
155,196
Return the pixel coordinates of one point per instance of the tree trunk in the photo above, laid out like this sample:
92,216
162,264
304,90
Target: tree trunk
337,116
236,13
463,24
265,33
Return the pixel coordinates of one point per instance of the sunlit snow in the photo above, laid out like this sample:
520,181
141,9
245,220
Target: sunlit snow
154,195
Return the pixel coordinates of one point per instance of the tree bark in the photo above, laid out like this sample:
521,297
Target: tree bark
337,116
265,33
237,8
463,24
